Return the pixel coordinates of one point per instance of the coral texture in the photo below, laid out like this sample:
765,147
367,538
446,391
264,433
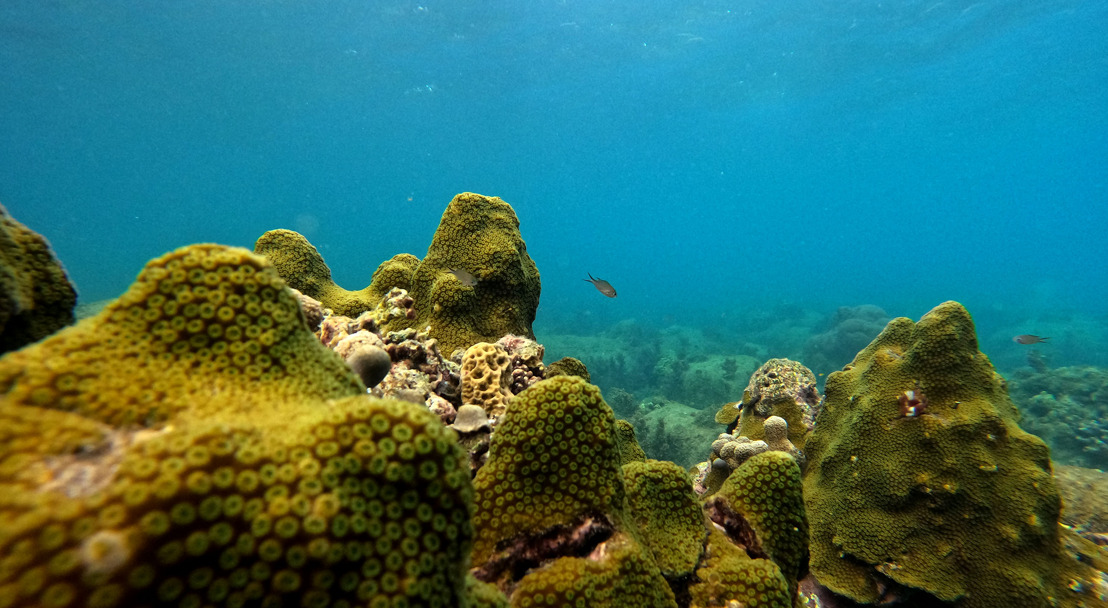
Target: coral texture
728,578
953,501
480,235
194,444
36,297
486,377
784,388
568,366
668,514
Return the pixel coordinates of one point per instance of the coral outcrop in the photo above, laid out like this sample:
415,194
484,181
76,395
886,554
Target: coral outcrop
1067,408
36,297
948,501
480,235
476,283
195,444
300,264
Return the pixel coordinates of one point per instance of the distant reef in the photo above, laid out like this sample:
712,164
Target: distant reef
237,430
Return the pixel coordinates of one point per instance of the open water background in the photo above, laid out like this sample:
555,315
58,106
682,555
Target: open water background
726,165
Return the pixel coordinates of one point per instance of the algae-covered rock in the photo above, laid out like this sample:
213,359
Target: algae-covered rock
947,497
36,297
782,388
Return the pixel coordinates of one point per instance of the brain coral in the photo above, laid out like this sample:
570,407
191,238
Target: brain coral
193,444
480,235
36,298
486,375
956,502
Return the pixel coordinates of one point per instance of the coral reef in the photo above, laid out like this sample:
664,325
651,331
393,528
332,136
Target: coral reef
36,297
1068,408
527,366
478,238
629,448
729,578
481,235
195,444
956,504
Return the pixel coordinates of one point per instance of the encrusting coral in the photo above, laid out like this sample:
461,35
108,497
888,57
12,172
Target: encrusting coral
195,444
951,501
36,297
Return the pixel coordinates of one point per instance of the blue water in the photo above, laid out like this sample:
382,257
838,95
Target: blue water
719,162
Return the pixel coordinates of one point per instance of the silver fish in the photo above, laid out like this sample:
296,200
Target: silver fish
602,286
463,277
1028,339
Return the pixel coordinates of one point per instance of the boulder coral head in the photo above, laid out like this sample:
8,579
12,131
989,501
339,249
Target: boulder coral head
951,501
195,444
36,297
478,234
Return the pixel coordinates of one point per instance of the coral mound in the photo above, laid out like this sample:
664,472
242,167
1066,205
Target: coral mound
479,235
948,499
36,297
194,444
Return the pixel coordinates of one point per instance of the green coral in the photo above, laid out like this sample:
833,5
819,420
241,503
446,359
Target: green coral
668,514
956,502
301,266
629,448
480,235
194,444
568,366
765,491
729,577
36,297
201,321
553,461
619,576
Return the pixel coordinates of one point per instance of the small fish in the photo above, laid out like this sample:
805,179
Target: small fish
463,276
1028,339
602,286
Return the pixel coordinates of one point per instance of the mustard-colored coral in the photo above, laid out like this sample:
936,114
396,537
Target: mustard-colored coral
193,444
667,513
568,366
486,375
765,491
300,264
553,461
36,297
629,448
202,321
480,235
956,501
617,574
728,577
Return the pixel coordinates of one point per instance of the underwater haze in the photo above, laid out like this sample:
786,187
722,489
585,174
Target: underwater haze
751,172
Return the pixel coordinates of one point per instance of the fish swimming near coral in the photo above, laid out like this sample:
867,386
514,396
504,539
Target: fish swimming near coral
602,286
1028,339
464,277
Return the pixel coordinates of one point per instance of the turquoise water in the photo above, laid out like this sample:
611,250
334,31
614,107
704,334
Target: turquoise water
739,169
